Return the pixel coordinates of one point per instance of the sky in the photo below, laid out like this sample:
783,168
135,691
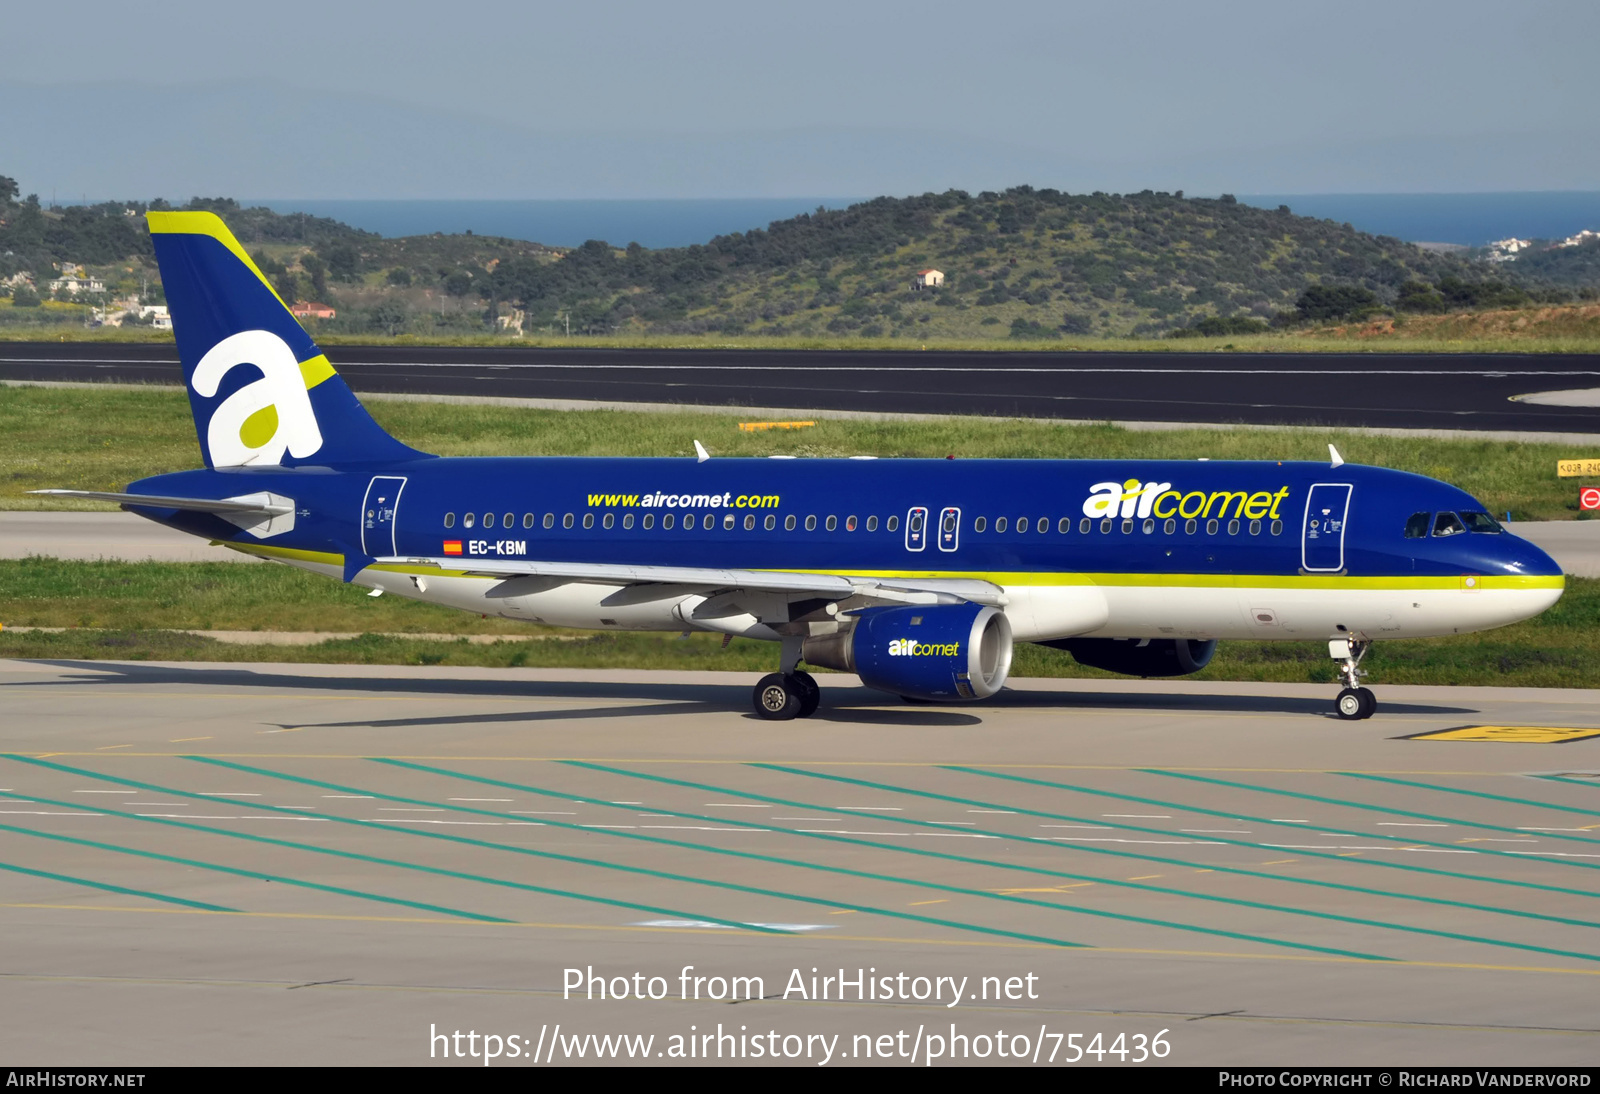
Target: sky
707,98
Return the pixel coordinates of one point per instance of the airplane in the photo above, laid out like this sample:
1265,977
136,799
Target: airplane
917,575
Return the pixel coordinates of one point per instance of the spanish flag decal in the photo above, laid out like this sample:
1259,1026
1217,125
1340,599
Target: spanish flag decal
452,546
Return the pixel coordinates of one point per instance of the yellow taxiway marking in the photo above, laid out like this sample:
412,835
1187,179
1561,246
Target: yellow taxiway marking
1522,735
105,748
949,943
1142,877
182,740
919,903
1278,862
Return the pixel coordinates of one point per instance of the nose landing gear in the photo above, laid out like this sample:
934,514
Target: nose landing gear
1354,701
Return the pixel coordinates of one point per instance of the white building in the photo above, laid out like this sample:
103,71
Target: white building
76,285
927,279
1580,239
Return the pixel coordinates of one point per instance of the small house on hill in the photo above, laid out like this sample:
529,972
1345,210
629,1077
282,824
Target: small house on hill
927,279
306,309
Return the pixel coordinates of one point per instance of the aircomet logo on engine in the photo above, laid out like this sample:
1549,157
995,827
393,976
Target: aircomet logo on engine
910,647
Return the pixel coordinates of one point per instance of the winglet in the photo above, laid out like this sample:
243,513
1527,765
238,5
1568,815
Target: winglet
1333,456
700,453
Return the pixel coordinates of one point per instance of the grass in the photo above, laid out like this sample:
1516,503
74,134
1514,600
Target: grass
93,439
142,604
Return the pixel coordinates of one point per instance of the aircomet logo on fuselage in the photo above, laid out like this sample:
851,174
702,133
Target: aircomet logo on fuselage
1134,498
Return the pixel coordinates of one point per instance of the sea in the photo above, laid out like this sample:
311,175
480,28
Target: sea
1466,219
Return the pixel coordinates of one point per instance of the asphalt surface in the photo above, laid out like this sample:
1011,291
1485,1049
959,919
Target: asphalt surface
327,864
1372,390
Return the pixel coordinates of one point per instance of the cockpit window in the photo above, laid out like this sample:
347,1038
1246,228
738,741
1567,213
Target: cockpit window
1417,525
1447,524
1480,522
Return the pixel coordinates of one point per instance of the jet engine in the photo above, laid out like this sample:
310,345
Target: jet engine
944,651
1140,656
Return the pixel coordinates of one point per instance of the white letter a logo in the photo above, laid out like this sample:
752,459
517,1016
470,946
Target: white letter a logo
291,426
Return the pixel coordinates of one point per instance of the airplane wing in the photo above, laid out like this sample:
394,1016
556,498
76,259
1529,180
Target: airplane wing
832,586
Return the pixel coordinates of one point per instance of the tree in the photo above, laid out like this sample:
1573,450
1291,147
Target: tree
1320,303
1419,296
458,283
23,296
8,191
317,269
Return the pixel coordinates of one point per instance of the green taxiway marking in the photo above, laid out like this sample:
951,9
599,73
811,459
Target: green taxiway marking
1471,793
108,887
1057,873
236,870
603,864
1302,796
589,898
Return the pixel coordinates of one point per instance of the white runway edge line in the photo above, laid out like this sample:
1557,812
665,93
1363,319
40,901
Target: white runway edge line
1497,374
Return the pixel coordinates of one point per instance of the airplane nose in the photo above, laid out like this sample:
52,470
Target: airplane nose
1515,555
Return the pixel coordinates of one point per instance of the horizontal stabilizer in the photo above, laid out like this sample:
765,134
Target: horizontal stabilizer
261,515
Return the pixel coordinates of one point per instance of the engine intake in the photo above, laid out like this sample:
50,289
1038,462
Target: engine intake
1140,657
947,651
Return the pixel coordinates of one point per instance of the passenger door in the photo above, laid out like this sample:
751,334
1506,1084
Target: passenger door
378,510
1322,534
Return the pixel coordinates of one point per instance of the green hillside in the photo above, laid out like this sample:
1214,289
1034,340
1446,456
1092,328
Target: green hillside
1025,263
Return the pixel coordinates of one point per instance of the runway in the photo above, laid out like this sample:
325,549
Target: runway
1375,390
252,864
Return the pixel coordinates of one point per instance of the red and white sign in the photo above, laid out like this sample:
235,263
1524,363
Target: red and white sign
1589,497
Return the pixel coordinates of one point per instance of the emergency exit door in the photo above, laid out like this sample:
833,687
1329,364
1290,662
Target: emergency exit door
1322,534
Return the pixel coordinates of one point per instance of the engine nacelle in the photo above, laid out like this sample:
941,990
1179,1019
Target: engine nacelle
946,651
1140,656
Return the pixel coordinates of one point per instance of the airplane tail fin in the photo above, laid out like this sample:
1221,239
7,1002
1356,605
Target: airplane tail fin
287,406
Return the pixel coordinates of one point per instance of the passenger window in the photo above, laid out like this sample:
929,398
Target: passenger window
627,520
649,521
727,521
1189,527
1022,524
811,524
850,523
1417,525
770,523
1277,527
1170,527
1064,525
509,521
488,520
466,520
667,521
1480,522
588,520
1000,524
609,522
1149,526
1447,524
1105,527
833,523
710,522
1255,528
872,524
788,523
980,524
1083,526
1127,526
449,520
527,520
566,521
549,520
1233,527
892,524
1211,527
749,522
1042,524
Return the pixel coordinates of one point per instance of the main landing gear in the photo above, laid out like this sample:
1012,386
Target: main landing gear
789,693
1354,702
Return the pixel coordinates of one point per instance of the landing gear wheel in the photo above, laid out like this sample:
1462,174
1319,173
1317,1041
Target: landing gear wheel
1369,700
810,694
776,698
1350,705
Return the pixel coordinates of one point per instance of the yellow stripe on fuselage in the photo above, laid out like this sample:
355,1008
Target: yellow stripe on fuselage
1181,581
